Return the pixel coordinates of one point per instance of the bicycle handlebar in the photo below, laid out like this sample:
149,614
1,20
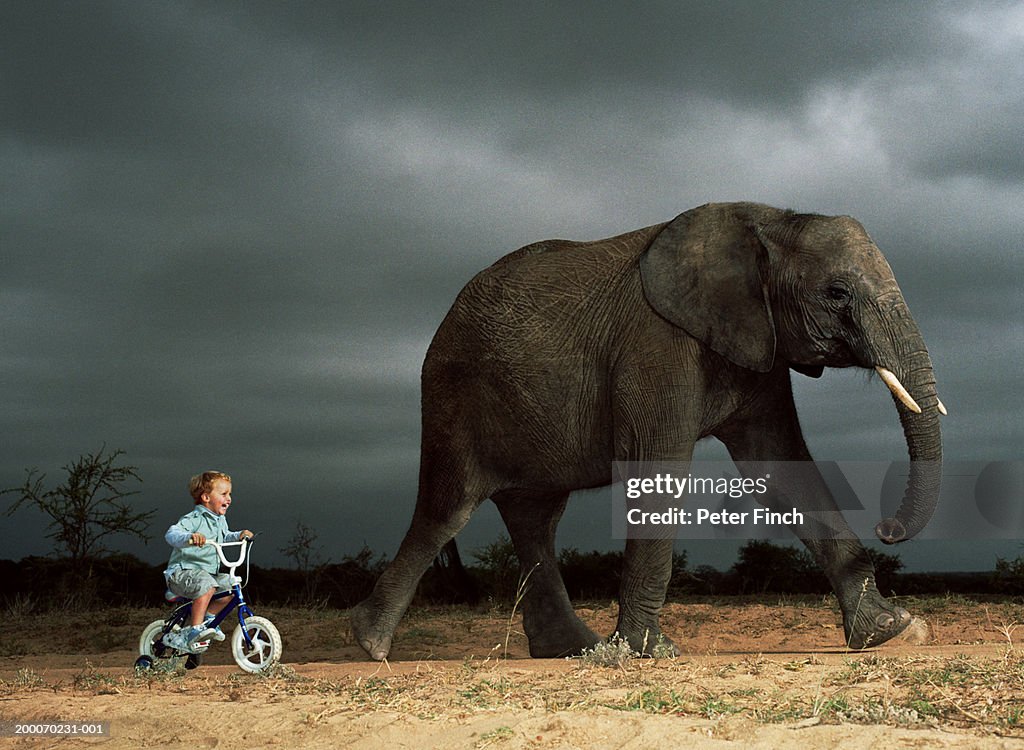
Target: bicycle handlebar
232,564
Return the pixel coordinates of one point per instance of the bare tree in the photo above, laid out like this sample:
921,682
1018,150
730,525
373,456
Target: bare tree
300,548
88,506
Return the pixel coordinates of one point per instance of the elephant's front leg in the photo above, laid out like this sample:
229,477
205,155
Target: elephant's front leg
647,568
869,619
772,439
551,625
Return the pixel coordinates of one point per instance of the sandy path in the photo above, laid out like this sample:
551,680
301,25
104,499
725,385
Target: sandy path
755,676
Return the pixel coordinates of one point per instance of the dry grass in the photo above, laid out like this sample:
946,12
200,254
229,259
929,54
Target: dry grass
981,695
978,694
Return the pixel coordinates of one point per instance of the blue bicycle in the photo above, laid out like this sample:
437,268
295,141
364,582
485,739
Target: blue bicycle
255,643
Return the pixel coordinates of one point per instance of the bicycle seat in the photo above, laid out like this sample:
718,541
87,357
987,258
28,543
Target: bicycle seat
173,598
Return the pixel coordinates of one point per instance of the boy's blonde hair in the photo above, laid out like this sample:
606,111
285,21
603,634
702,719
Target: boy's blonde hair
200,484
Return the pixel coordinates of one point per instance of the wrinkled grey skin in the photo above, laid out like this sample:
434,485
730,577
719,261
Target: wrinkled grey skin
563,357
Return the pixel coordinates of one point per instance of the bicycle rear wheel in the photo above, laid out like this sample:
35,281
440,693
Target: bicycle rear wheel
150,643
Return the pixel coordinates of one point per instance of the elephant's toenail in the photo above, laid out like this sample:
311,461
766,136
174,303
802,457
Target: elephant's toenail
884,621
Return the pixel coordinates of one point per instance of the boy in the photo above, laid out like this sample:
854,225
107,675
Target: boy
194,568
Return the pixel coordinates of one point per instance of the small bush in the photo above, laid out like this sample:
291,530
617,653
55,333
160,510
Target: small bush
615,652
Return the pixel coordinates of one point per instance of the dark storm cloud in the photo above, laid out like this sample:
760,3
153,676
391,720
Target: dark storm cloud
750,52
229,230
130,75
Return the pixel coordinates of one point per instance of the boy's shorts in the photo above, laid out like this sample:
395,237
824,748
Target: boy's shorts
193,582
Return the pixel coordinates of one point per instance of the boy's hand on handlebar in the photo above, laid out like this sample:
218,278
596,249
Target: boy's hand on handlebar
197,539
245,534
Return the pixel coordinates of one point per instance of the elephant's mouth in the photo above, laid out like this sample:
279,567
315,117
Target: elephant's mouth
833,353
841,355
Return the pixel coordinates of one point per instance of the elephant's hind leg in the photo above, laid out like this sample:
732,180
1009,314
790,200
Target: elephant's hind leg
436,521
551,625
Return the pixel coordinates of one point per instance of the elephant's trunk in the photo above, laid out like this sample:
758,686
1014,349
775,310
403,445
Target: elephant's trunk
910,377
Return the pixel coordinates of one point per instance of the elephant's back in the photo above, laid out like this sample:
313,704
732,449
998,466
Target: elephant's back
541,299
556,275
554,257
523,352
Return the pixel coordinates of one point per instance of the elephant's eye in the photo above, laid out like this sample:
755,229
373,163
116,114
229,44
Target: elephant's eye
838,293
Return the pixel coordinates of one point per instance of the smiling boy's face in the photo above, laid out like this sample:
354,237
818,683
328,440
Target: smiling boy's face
218,498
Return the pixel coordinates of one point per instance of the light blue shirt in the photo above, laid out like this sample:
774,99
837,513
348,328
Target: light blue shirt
214,527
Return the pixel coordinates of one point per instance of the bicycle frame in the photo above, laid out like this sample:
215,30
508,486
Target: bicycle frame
183,614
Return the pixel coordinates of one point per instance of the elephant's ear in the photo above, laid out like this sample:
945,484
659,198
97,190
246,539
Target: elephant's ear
706,273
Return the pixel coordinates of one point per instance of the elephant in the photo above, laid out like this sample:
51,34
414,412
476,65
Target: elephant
564,357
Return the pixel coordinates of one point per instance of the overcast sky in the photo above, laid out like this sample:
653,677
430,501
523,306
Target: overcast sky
229,230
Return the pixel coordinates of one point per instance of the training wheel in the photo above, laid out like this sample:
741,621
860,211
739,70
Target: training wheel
143,663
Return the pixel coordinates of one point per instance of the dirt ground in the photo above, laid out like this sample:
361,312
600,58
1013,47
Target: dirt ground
767,674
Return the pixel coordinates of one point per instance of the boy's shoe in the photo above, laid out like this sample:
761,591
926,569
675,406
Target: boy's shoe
212,632
184,640
215,633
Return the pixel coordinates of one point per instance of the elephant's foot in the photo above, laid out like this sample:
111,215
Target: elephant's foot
873,621
564,639
373,637
649,641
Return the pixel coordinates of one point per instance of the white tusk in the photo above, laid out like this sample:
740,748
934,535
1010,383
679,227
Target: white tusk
942,407
898,390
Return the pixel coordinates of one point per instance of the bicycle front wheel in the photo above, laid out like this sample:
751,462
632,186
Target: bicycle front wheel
265,651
